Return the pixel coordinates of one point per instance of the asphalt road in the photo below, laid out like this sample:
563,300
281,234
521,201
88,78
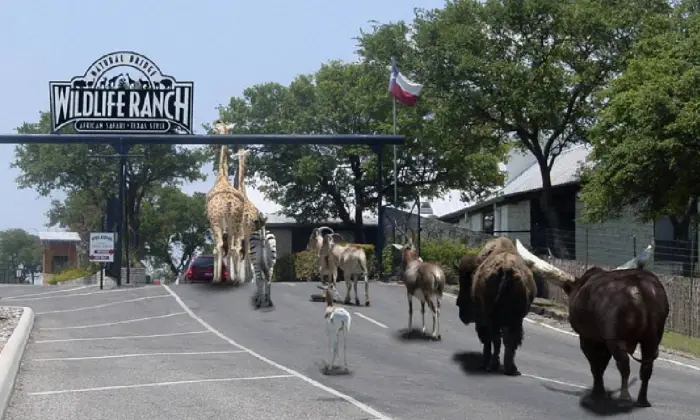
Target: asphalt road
203,352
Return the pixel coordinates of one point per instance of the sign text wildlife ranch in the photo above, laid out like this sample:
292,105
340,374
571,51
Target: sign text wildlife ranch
122,92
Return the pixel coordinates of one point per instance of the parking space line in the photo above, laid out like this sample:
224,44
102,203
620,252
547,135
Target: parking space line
46,293
120,356
375,322
109,324
364,407
155,384
554,381
74,295
104,305
120,337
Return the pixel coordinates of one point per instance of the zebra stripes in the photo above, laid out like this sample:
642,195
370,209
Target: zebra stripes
263,255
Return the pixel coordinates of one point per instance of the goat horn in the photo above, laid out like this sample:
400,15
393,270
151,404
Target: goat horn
412,238
322,228
338,235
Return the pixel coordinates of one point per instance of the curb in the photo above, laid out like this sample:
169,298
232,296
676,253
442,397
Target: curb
549,313
11,356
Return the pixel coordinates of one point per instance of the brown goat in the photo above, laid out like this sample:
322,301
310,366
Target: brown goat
424,281
613,312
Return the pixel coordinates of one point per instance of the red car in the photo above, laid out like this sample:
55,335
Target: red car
201,270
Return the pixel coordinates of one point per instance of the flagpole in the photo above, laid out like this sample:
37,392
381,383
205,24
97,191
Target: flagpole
396,189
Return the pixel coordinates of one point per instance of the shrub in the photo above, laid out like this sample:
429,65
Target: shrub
70,274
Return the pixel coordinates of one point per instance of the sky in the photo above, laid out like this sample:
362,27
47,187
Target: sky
223,46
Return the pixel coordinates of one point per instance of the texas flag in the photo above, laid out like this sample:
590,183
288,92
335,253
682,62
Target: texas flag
404,90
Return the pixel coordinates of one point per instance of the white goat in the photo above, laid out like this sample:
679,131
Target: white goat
337,323
352,260
315,244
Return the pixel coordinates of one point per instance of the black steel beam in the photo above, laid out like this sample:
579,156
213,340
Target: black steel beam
339,139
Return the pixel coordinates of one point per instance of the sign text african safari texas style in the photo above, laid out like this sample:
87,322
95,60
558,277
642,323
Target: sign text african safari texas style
122,92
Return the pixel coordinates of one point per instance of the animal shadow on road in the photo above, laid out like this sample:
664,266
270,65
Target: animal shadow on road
471,363
334,371
603,407
414,334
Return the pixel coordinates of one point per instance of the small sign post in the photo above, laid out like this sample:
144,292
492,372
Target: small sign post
101,250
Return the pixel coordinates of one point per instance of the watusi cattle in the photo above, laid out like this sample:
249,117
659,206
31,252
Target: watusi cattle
613,312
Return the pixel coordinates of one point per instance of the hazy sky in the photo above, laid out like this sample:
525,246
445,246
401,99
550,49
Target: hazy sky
223,46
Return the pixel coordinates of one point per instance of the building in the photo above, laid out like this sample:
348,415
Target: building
293,236
60,251
515,211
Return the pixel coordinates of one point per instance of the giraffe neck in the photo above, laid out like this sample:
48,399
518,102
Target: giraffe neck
223,162
241,173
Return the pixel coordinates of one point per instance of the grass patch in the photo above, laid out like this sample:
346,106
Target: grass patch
70,274
680,342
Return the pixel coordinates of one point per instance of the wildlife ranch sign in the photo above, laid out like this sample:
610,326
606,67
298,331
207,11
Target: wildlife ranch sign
122,92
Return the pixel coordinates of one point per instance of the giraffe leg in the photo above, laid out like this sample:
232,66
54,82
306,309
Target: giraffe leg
218,250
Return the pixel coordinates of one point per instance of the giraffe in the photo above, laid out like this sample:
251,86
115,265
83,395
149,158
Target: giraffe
250,210
225,211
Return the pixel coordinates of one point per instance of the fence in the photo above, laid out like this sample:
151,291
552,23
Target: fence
675,262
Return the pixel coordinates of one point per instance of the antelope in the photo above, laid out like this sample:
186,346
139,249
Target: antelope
351,259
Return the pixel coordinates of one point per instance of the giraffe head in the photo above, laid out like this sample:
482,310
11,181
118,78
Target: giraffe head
221,127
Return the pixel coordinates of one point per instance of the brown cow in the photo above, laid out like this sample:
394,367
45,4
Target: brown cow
613,312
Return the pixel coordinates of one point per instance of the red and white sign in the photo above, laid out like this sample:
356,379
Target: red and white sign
102,247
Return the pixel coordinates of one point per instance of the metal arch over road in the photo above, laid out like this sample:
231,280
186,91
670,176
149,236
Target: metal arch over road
240,139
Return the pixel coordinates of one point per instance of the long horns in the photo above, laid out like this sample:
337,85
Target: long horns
542,268
319,230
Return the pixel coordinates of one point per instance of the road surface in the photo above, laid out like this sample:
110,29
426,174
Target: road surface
198,351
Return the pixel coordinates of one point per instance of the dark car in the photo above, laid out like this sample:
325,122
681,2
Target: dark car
201,270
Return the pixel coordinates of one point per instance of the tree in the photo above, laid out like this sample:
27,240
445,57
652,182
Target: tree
645,147
20,252
174,226
90,180
515,71
313,182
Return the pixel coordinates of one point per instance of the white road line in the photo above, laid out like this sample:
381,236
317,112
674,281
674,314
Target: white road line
554,381
364,407
288,284
121,337
375,322
155,384
120,356
104,305
46,293
109,324
76,294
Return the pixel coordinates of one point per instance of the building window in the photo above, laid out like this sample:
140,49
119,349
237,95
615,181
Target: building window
59,263
487,222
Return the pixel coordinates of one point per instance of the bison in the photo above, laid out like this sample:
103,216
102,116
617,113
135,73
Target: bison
496,290
613,312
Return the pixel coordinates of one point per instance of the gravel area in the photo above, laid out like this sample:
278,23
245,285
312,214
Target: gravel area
9,317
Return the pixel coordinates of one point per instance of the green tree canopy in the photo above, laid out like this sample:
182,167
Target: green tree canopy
89,181
174,226
313,182
20,252
514,71
645,145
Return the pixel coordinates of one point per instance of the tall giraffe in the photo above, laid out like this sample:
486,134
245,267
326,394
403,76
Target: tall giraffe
225,211
251,211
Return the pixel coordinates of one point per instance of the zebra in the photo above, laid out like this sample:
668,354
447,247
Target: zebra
263,255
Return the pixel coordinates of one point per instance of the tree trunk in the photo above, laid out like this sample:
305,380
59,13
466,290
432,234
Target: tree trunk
359,226
550,212
681,234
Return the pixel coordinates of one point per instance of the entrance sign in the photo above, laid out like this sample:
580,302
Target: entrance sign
122,93
102,247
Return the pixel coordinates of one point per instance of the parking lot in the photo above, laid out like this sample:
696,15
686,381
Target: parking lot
138,353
